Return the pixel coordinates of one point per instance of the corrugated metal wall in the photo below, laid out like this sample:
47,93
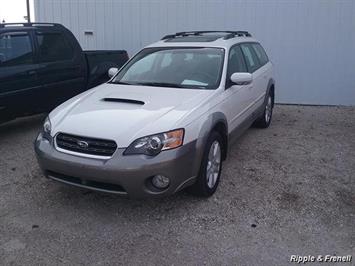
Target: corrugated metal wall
311,42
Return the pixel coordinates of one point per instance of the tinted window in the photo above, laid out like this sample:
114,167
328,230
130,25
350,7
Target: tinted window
236,61
250,57
15,49
260,53
53,47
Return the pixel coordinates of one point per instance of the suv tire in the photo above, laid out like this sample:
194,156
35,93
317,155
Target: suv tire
211,167
265,119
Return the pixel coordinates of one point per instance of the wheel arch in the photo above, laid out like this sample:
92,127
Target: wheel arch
270,90
215,122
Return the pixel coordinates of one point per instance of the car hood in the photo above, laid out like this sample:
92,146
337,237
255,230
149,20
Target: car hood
125,112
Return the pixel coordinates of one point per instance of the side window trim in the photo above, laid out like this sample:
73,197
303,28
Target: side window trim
34,46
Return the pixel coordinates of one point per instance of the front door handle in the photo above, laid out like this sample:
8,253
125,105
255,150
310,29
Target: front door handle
32,72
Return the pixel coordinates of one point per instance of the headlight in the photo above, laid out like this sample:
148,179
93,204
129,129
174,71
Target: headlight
154,144
47,127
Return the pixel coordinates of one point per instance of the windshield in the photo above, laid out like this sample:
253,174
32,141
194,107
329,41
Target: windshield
195,67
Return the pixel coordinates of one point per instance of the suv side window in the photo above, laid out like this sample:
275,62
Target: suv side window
53,46
250,57
15,49
236,61
260,53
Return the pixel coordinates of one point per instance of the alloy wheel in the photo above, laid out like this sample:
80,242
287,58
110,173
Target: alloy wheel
213,164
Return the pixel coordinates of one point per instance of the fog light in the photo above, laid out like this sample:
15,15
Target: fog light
160,181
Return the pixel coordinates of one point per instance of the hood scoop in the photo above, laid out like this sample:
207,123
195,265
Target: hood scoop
120,100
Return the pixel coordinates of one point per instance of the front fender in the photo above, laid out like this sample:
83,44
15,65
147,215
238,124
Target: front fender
206,128
204,131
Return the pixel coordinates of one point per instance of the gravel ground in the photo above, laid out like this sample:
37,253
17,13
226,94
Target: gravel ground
286,190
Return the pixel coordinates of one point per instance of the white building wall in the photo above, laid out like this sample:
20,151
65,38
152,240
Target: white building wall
310,42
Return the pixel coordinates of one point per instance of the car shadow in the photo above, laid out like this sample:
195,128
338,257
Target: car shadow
109,204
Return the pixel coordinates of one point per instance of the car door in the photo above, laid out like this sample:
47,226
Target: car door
265,67
18,74
238,96
254,67
61,70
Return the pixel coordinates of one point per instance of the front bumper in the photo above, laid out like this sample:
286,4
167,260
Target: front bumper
126,175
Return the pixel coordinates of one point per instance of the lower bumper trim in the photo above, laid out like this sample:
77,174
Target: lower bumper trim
87,184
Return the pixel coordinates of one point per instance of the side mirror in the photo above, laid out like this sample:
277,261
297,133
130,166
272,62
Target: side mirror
112,71
241,78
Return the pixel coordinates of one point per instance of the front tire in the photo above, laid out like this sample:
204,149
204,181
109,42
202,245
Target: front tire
265,119
211,167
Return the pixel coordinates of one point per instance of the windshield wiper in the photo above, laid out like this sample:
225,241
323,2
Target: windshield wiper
121,82
161,84
158,84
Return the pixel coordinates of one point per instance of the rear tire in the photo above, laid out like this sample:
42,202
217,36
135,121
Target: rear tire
210,169
265,119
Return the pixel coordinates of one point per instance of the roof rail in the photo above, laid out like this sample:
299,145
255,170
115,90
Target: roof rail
229,34
27,24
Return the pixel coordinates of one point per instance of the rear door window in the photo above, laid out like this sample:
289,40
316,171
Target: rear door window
250,57
260,53
53,46
15,49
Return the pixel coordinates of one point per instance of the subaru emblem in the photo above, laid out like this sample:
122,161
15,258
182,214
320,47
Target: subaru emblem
82,144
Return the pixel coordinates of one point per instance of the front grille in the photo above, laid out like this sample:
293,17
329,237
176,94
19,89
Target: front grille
90,184
92,146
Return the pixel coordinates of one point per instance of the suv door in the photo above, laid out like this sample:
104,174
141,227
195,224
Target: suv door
265,66
254,67
60,69
18,74
238,96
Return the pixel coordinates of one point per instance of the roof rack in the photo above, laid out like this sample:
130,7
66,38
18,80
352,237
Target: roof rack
27,24
229,34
